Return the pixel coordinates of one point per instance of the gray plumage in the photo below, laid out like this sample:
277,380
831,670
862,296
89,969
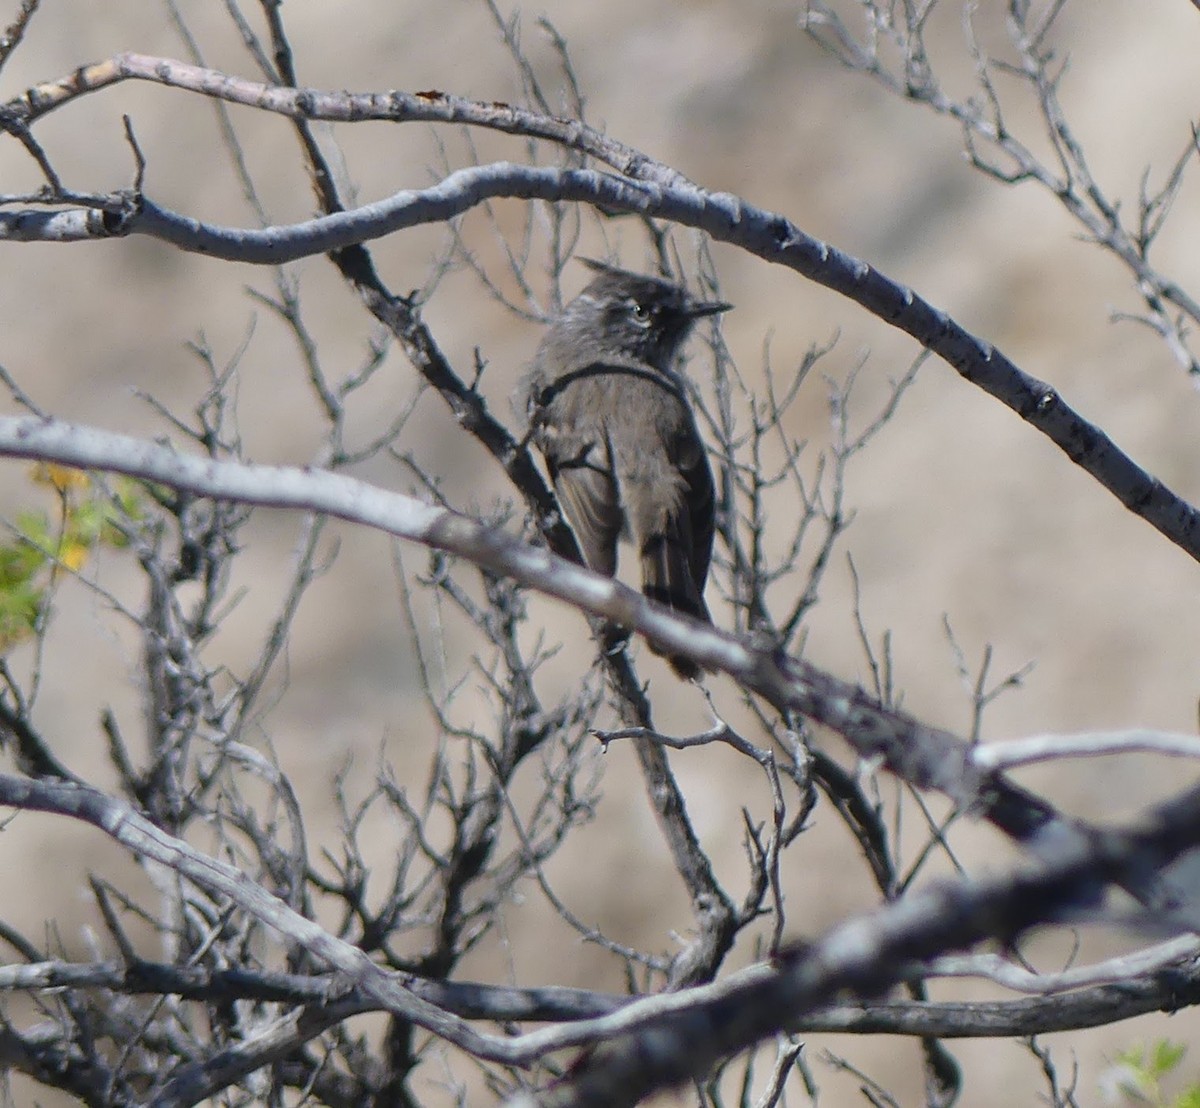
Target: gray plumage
610,415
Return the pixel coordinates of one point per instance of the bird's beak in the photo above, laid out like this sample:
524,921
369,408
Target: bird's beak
697,309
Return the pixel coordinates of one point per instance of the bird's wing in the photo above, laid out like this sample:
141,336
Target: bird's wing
700,499
573,441
675,553
588,495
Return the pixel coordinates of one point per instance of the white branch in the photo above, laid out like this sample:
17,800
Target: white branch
1112,971
1090,744
926,757
641,185
357,501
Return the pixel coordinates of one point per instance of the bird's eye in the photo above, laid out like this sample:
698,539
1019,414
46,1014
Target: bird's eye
641,313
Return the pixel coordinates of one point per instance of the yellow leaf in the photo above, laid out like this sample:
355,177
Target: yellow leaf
62,478
73,555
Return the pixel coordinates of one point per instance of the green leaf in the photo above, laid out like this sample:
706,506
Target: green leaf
18,563
84,522
20,606
34,527
1166,1057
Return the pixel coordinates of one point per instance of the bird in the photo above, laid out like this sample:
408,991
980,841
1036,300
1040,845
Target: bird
610,414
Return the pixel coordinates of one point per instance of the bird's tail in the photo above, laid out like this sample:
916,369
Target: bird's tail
667,577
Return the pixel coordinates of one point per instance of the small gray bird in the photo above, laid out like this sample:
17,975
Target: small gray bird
609,412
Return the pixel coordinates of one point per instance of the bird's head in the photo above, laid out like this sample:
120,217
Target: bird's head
638,317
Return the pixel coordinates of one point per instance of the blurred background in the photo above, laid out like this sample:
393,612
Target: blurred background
962,514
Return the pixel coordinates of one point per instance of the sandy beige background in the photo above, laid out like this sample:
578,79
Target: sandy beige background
961,510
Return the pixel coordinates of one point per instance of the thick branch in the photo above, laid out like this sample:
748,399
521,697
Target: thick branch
724,217
143,838
694,1027
431,106
927,757
646,187
1167,988
865,957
